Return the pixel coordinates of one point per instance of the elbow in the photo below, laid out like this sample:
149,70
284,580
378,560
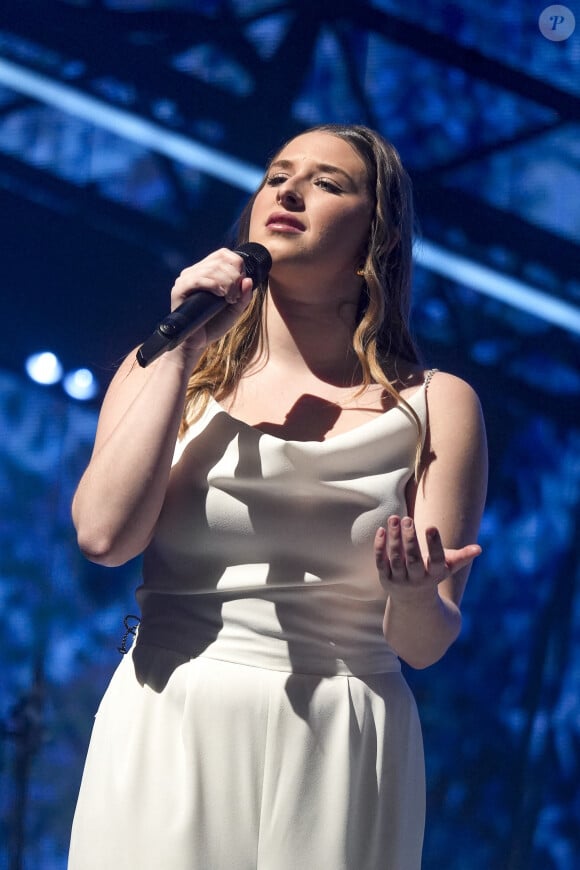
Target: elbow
100,542
100,550
95,544
424,655
421,662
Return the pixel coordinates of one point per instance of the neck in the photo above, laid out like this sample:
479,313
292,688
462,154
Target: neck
309,334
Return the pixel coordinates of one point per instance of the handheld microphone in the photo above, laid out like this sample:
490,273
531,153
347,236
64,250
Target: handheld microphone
200,307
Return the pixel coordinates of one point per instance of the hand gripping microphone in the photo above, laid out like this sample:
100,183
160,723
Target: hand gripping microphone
200,307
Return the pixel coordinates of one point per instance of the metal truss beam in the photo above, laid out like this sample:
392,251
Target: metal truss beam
444,50
245,177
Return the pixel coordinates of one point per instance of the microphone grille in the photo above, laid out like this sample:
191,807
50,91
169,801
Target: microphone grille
257,259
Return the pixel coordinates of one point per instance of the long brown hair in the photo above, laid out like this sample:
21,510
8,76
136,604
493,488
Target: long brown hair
382,333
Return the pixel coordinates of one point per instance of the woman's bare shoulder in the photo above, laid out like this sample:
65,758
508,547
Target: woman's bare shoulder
454,410
447,394
443,387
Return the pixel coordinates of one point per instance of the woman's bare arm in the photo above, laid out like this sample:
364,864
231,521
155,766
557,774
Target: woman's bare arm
120,495
424,559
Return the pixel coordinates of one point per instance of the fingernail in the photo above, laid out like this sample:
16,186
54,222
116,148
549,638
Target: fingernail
407,522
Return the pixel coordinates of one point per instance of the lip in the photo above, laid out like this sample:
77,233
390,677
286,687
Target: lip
285,222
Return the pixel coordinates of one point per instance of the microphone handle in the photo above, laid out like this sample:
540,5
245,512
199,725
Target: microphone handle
173,329
201,306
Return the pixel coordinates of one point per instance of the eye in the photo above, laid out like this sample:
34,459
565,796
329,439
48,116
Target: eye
277,178
328,185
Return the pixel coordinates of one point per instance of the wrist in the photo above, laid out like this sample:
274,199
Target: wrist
182,359
410,596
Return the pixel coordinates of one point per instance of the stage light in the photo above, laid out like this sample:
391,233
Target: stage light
44,368
80,384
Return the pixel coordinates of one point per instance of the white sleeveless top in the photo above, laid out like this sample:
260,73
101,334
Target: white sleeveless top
280,533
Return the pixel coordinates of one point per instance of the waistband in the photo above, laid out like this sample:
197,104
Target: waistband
285,634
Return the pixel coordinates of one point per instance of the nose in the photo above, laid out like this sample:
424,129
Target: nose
289,196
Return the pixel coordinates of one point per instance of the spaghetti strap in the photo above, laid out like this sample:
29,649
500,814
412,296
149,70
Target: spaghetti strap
428,377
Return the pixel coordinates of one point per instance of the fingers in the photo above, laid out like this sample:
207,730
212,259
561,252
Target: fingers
221,272
220,324
381,560
457,559
402,549
397,552
411,553
401,564
435,553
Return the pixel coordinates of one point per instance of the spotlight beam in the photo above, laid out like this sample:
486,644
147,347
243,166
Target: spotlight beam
491,283
128,126
247,177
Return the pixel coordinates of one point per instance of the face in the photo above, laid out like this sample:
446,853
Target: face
314,209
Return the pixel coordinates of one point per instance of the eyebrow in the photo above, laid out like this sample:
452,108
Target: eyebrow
320,167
